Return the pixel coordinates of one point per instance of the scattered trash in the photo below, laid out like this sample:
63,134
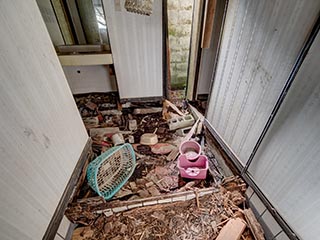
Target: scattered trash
111,170
147,110
117,139
111,112
100,136
157,196
103,132
132,125
167,104
91,122
91,105
149,139
162,148
181,122
204,214
131,139
182,132
191,149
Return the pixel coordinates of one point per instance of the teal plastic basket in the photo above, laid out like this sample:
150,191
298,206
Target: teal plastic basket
111,170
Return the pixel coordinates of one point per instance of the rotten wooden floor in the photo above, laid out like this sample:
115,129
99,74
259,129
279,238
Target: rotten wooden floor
156,203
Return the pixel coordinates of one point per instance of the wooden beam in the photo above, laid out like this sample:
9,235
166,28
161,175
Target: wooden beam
253,224
194,46
208,23
232,230
86,59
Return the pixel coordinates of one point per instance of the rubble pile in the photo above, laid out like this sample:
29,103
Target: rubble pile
202,218
155,133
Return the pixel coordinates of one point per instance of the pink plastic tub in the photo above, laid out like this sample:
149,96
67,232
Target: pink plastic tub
191,149
195,170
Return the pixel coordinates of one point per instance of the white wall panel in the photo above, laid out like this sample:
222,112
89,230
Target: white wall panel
287,164
260,43
86,79
136,44
41,132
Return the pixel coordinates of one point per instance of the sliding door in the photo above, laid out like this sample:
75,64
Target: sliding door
260,44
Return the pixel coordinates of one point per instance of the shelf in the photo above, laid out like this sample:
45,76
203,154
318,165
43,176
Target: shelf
86,59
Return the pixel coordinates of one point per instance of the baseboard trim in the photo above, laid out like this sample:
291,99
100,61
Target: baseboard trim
67,194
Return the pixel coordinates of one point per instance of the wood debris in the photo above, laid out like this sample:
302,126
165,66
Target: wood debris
84,210
155,203
254,225
203,217
232,230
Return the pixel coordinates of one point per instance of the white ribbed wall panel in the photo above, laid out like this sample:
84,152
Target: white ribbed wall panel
41,131
136,44
287,164
260,43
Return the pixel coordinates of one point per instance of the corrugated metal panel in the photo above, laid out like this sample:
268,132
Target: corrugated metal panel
136,44
42,135
286,166
260,43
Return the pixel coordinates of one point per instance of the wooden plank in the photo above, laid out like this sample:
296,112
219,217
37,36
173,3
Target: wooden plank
254,225
208,23
86,59
232,230
82,233
195,42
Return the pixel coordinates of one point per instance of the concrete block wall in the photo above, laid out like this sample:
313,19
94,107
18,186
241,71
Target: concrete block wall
179,28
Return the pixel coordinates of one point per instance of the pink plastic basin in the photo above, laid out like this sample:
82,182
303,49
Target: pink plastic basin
191,149
195,170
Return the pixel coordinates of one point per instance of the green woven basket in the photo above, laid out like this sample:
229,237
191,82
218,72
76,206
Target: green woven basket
111,170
